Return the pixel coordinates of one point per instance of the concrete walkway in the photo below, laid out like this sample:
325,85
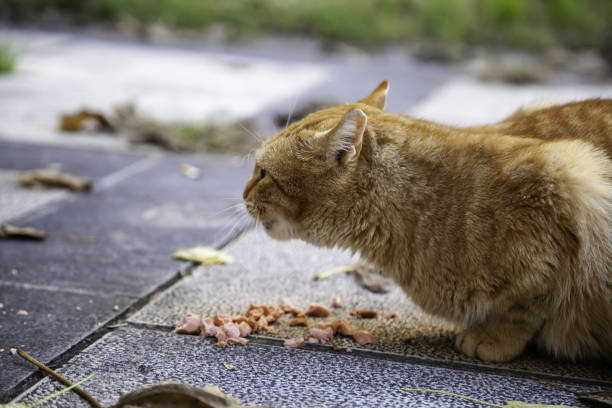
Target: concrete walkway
108,256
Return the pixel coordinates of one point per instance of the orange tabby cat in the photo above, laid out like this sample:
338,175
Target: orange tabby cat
505,229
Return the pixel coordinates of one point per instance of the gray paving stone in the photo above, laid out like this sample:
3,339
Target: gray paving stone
275,376
16,201
81,162
267,270
113,245
121,239
56,319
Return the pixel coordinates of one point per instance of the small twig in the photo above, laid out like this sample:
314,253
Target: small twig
59,378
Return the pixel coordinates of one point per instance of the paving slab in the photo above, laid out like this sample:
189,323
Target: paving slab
80,161
266,270
16,201
112,246
464,101
271,375
46,321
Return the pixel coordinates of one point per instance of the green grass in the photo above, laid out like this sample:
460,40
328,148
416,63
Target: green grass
8,59
368,23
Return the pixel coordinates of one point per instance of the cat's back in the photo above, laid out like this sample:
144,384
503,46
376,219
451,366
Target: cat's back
589,120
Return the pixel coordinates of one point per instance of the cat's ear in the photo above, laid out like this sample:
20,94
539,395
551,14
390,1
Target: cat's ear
345,140
378,97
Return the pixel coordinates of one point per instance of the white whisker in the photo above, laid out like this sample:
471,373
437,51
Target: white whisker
251,132
291,111
237,208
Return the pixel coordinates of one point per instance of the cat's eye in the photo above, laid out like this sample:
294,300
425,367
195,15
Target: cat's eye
262,173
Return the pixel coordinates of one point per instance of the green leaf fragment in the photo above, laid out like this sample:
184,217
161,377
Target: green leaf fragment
513,404
203,255
521,404
40,401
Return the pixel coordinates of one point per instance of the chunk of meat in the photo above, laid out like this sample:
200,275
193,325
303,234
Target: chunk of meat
238,340
337,302
318,310
263,315
245,329
286,304
346,329
296,311
243,319
220,334
364,337
231,330
333,325
274,313
364,313
299,321
208,327
190,324
322,334
221,319
296,342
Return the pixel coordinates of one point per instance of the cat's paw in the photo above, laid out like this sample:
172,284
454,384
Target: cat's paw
476,342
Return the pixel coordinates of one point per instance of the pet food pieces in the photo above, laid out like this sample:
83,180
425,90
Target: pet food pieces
318,310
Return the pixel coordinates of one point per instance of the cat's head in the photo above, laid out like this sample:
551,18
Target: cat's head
305,174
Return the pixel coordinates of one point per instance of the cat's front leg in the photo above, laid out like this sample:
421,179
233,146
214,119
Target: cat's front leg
500,339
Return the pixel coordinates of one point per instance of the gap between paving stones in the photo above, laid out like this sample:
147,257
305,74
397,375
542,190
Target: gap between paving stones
397,358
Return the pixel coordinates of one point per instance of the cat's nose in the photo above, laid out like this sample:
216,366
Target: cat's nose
250,184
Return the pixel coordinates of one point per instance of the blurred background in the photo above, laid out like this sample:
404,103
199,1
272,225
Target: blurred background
203,75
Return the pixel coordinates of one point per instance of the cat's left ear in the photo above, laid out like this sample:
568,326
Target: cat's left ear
378,97
345,140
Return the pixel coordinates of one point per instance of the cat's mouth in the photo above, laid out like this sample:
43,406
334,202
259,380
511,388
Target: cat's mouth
268,224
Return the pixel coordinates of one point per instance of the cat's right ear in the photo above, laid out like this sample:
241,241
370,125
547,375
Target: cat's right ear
378,97
344,141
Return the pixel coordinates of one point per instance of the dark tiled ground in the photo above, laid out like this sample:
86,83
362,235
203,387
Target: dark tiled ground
272,375
112,246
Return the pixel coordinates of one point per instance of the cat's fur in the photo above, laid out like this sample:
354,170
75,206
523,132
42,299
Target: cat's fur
505,229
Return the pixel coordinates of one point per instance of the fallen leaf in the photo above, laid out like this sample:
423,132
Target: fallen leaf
53,178
203,255
177,396
85,120
11,231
